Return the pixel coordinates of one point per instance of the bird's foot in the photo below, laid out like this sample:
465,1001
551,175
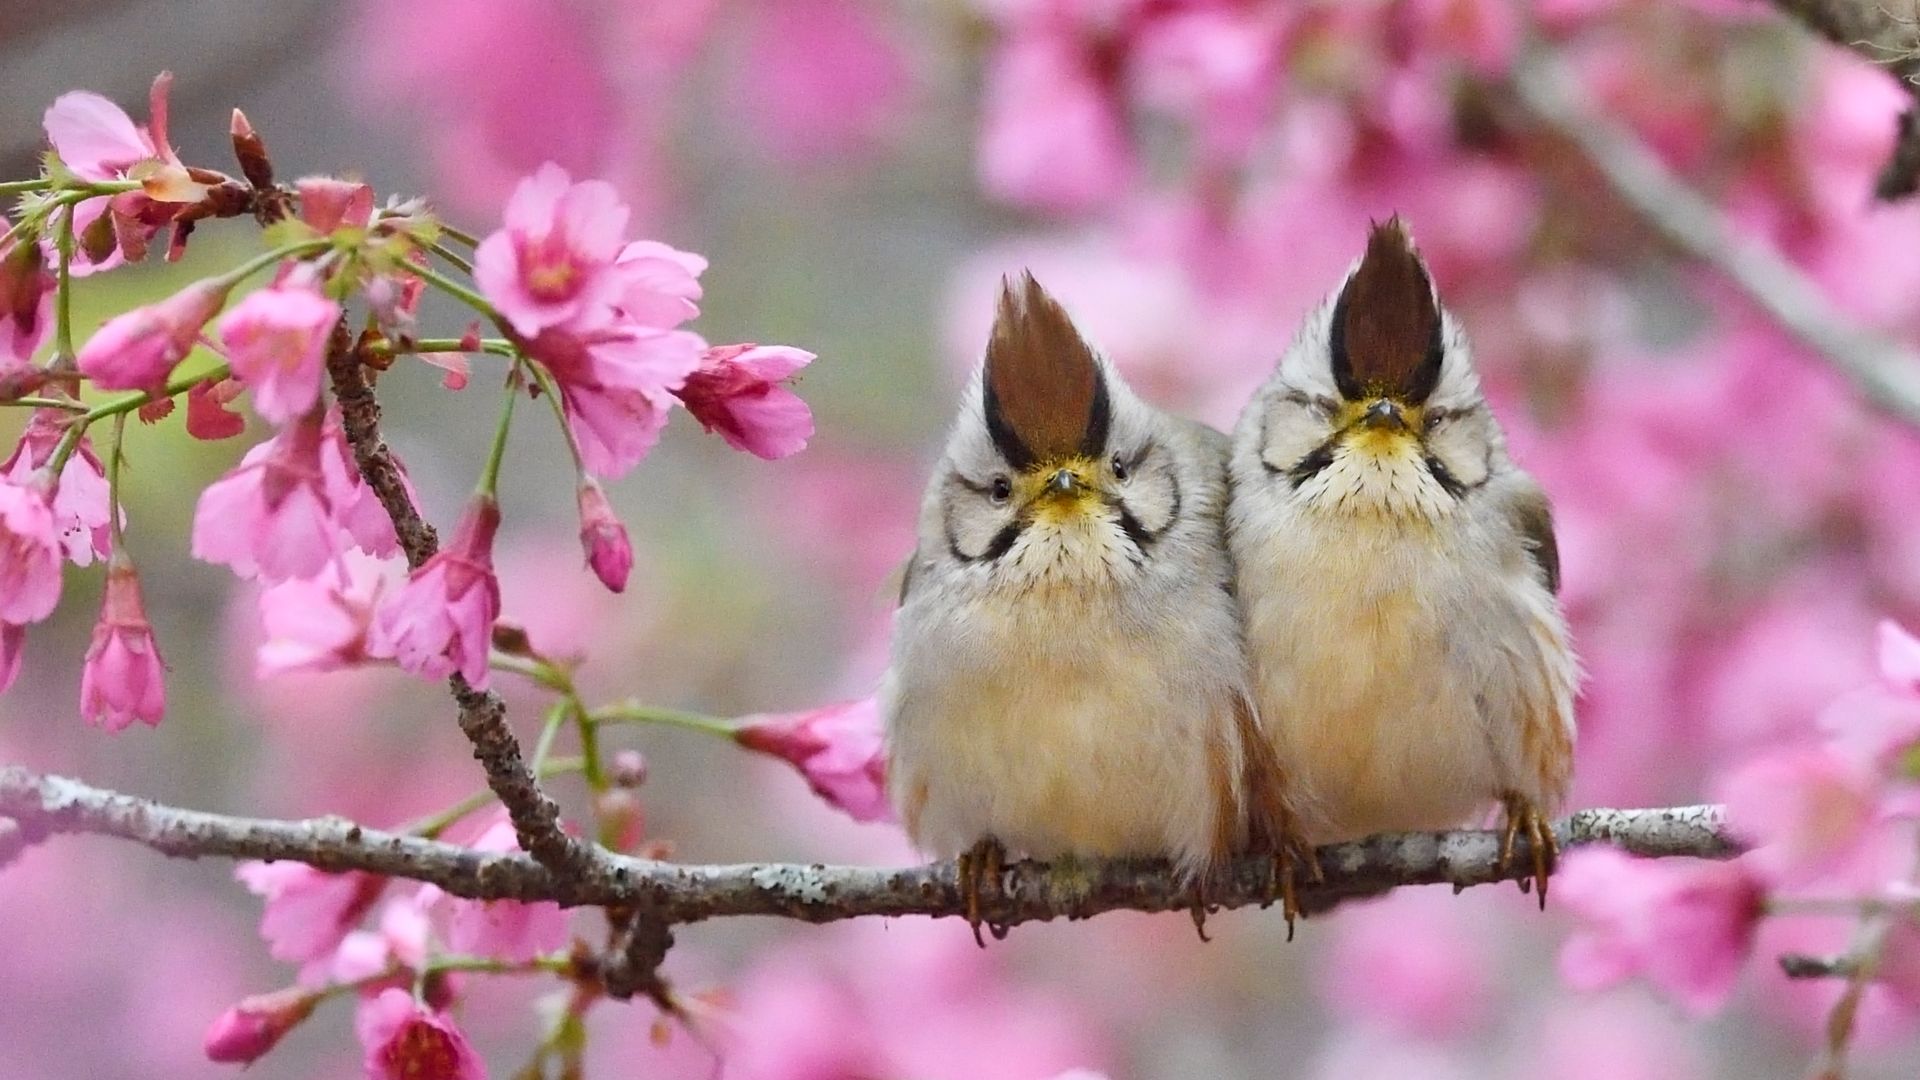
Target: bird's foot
1292,855
982,863
1522,814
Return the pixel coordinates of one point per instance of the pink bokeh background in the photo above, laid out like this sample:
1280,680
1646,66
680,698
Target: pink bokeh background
1189,178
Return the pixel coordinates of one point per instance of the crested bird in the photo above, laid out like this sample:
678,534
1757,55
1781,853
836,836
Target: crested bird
1398,576
1068,678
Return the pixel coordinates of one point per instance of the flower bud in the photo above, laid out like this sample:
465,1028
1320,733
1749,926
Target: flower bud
137,350
248,1030
604,538
629,768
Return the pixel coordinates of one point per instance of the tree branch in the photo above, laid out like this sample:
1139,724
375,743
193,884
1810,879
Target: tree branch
483,716
1886,373
1871,30
670,893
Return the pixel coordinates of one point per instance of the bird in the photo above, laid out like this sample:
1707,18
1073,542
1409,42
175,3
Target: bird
1398,576
1067,677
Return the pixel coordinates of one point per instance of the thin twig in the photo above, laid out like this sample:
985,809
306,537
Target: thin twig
483,716
672,893
1886,373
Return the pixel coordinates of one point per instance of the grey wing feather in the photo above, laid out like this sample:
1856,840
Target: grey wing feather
1533,518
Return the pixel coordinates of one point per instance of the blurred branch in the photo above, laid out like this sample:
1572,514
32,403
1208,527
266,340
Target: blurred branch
1867,27
671,893
1883,371
1802,966
483,716
1872,30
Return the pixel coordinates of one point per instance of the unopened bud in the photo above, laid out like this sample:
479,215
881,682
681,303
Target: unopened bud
250,151
622,818
629,768
604,538
511,638
247,1031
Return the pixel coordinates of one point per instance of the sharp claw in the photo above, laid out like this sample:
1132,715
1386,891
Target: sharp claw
976,865
1546,853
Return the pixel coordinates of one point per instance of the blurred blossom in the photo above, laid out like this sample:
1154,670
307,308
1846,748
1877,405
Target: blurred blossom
327,203
320,624
549,94
820,80
137,350
26,302
79,495
307,912
441,620
397,944
1805,811
1616,1037
13,642
1879,724
1412,962
276,339
1352,1055
29,553
839,749
506,929
1054,136
123,679
405,1040
1686,926
273,516
908,998
356,506
740,391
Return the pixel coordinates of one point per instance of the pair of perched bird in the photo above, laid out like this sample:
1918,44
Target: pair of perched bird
1126,635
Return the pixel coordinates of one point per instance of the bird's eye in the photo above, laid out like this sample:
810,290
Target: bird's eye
1001,489
1120,471
1326,407
1435,417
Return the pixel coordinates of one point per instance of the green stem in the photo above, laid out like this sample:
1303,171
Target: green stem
459,262
589,743
466,238
268,258
496,346
632,712
17,187
558,964
453,288
432,826
63,404
113,486
63,295
178,385
490,477
62,450
556,716
552,393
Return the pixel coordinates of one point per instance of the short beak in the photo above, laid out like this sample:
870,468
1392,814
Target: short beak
1384,415
1063,483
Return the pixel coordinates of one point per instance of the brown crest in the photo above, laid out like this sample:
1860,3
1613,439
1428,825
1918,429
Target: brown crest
1385,338
1043,394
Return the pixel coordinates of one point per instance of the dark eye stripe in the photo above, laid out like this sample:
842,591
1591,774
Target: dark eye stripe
1316,462
1444,476
1138,534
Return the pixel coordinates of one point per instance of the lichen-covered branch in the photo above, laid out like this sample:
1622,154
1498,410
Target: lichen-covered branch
671,893
483,716
1885,33
1886,373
